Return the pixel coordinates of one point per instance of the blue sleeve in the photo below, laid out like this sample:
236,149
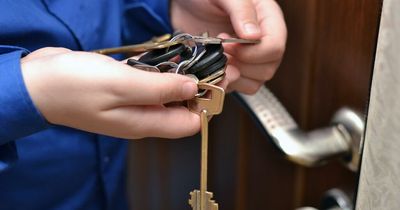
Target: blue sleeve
18,115
144,19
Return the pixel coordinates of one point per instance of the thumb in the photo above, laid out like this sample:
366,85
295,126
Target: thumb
243,16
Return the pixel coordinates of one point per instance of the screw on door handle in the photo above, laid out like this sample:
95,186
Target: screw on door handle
342,138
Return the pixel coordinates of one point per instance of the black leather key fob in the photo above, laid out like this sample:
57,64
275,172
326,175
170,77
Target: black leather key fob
214,52
216,66
157,56
133,62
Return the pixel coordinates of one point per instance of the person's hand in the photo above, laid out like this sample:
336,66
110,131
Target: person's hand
98,94
249,65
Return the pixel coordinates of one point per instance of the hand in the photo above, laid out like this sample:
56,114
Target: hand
249,65
98,94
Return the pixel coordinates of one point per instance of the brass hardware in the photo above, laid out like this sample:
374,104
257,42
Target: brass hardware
206,107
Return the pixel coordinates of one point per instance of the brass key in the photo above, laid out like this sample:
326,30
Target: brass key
206,107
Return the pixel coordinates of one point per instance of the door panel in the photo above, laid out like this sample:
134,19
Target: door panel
327,65
344,54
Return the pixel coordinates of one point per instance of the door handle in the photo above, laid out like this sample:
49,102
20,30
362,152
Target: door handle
342,138
333,199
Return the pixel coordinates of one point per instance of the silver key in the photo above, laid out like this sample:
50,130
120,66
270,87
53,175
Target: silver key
215,40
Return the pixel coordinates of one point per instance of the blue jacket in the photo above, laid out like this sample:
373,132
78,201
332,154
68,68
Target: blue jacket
44,166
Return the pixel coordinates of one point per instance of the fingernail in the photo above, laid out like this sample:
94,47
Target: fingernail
189,90
251,28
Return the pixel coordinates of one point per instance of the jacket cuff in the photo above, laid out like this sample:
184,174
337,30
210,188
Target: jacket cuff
18,115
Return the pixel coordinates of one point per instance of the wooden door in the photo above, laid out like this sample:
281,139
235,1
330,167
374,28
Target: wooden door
327,65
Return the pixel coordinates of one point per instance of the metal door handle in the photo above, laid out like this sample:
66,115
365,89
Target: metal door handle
333,199
341,138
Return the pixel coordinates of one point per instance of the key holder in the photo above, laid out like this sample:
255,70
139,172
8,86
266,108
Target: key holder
341,139
157,56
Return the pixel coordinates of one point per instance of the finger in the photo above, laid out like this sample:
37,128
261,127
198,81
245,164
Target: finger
148,88
231,73
261,72
243,16
273,38
151,121
245,85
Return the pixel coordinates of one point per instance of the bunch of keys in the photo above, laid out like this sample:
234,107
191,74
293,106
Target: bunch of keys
188,55
201,58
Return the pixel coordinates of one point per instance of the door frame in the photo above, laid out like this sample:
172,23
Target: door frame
379,187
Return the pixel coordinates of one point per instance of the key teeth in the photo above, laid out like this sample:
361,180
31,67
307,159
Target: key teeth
212,205
194,200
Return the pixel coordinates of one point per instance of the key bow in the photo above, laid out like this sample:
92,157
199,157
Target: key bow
212,104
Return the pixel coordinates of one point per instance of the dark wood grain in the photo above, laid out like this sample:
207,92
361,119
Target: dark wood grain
346,33
327,65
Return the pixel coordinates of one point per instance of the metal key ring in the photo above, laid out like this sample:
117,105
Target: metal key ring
180,38
195,60
185,37
183,63
167,63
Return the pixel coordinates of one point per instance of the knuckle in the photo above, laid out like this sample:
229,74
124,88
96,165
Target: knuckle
61,49
117,91
132,135
62,58
170,89
161,97
68,56
136,130
268,74
48,51
54,49
252,89
188,132
192,126
165,93
103,57
278,50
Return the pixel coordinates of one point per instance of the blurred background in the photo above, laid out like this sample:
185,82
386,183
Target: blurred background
327,65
